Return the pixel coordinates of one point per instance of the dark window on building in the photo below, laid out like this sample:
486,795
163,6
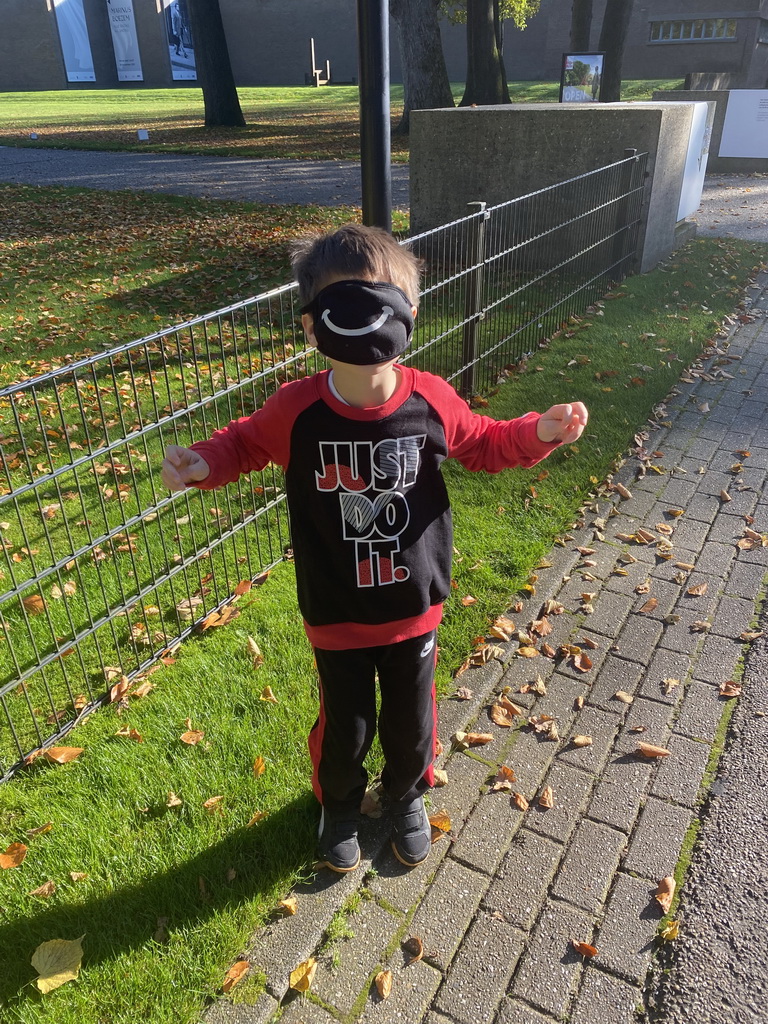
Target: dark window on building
693,31
762,34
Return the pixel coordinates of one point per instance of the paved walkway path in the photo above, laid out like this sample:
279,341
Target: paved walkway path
320,182
500,900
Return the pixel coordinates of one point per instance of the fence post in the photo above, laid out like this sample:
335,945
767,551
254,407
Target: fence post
622,215
472,302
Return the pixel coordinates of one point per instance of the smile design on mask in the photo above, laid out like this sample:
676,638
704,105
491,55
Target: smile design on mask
361,322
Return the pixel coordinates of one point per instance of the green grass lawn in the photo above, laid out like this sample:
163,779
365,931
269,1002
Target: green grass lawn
167,897
286,122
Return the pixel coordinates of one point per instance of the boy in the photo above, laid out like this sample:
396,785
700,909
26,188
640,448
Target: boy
361,445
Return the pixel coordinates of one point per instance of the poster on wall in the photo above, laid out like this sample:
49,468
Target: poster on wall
181,50
75,45
745,128
124,40
696,159
581,76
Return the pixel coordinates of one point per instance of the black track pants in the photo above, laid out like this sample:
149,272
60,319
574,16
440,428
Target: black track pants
346,725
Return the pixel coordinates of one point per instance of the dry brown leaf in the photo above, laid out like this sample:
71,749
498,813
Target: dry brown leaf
258,816
751,634
527,652
143,690
440,777
288,906
173,800
56,962
698,591
730,689
192,736
13,856
504,712
131,734
118,691
212,803
700,626
622,490
267,695
582,662
547,798
468,600
62,755
383,983
665,893
584,948
519,801
414,947
675,512
477,739
650,605
78,876
541,627
259,766
649,750
581,741
45,890
724,496
464,693
624,697
235,974
257,658
669,683
643,588
502,780
34,604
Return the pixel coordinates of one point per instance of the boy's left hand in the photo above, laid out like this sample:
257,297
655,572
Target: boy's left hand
563,423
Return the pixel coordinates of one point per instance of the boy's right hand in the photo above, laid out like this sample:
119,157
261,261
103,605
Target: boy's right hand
181,467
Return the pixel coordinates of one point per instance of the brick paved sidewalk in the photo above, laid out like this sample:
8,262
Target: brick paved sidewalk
497,905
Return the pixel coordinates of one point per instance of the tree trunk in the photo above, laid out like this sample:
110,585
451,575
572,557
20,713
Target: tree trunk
486,81
581,25
425,76
214,69
613,36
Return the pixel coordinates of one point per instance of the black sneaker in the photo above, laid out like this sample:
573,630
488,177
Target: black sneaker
338,843
411,832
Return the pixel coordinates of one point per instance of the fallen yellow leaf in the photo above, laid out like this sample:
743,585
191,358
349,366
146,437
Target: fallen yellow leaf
56,962
665,893
302,976
62,755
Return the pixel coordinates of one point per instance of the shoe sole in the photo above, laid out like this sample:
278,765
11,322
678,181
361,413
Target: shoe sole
407,863
342,871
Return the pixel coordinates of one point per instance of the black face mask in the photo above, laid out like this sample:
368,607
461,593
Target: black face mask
361,322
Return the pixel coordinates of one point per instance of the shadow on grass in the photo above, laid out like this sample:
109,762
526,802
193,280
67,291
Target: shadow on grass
125,919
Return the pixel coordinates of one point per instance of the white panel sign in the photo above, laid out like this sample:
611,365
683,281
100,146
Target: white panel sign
124,40
75,46
181,50
696,160
745,129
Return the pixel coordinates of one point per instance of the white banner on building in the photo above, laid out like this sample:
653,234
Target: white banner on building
181,49
745,129
75,45
124,40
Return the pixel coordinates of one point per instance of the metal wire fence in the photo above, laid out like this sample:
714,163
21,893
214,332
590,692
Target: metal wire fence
104,573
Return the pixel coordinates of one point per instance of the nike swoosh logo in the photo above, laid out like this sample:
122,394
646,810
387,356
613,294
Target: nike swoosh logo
386,312
427,648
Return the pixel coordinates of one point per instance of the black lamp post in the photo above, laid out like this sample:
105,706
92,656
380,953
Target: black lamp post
373,59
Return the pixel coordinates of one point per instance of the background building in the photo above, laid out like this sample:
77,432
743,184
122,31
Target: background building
59,44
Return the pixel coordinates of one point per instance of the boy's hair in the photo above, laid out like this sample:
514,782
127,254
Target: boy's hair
353,251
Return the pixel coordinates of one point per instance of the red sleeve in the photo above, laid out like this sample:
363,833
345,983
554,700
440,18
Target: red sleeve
480,442
251,442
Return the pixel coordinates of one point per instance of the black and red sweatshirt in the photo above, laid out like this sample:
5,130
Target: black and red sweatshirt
370,516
